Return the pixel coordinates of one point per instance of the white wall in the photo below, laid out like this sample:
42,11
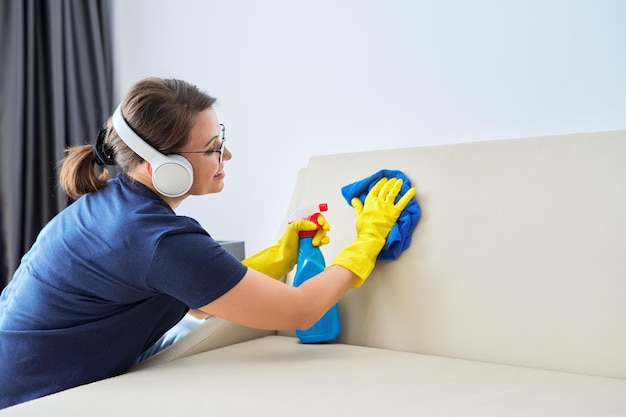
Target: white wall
296,79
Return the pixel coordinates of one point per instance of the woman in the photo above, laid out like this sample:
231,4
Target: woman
110,274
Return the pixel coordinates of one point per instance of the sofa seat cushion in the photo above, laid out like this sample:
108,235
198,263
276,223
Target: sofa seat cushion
279,376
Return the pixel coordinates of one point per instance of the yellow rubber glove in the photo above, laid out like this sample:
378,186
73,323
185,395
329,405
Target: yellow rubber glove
374,220
278,260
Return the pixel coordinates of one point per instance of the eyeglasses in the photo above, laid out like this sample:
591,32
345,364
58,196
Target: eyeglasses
210,151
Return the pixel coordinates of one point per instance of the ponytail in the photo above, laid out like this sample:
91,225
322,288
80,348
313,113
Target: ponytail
78,174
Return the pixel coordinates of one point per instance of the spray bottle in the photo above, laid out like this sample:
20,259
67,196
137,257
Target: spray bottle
310,263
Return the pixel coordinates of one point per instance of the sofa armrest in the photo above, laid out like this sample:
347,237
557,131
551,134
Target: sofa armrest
212,334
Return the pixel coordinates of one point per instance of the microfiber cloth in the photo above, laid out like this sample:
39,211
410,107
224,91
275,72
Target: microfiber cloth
399,238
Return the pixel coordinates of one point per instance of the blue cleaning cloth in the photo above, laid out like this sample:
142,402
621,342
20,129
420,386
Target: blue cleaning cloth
399,238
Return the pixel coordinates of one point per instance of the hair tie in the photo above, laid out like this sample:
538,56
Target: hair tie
102,152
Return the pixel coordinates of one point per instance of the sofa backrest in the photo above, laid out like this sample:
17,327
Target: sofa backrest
519,257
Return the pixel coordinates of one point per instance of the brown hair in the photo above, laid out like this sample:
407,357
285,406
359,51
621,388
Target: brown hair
161,111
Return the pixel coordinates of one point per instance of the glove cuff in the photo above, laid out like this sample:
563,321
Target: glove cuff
360,258
271,261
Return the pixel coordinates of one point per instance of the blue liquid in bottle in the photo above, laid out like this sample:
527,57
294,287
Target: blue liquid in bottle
310,263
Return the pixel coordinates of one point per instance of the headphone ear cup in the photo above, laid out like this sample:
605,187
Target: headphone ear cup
172,175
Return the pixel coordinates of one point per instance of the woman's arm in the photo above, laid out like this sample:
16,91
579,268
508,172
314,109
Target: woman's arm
261,302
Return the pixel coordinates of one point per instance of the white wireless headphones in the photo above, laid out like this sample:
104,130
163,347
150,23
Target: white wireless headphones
172,175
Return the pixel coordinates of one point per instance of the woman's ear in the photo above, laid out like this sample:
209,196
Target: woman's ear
148,168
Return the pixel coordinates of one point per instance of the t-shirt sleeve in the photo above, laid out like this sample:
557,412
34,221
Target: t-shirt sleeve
193,268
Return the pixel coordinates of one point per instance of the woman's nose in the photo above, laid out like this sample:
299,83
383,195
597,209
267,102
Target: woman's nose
227,153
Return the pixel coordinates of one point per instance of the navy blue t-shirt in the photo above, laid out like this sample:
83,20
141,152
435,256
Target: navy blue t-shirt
105,279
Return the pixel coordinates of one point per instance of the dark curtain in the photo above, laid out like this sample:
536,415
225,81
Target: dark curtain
56,90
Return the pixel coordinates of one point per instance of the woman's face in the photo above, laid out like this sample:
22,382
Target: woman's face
208,173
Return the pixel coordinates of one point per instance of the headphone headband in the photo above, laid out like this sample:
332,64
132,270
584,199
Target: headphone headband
132,139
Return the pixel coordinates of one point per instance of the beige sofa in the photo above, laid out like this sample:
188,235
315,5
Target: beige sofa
511,301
